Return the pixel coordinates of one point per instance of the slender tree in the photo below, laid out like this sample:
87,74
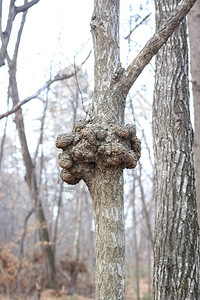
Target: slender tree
100,148
29,163
176,249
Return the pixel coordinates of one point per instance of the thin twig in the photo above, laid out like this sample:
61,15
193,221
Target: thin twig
40,141
144,19
45,86
19,35
75,74
1,16
4,133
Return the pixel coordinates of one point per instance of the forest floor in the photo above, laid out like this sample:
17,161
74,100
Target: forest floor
130,293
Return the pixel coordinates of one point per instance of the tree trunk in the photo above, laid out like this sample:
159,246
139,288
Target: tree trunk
32,183
144,206
194,37
107,196
176,250
100,148
136,256
76,245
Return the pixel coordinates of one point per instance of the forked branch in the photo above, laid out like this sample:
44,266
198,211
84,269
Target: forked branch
154,44
26,6
5,36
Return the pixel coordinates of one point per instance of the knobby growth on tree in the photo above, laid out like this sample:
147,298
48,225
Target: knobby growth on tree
94,146
100,147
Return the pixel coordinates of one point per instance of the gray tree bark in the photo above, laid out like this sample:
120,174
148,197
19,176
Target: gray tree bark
135,243
194,37
109,234
176,249
100,148
76,244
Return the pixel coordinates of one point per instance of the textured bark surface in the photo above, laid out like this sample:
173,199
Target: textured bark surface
79,199
100,148
93,146
135,243
176,250
106,190
194,37
109,101
98,154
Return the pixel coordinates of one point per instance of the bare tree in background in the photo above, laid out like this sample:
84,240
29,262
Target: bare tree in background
31,177
100,148
176,248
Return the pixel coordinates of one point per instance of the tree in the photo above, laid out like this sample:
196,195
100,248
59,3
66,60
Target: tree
29,163
176,246
5,35
33,177
100,148
194,36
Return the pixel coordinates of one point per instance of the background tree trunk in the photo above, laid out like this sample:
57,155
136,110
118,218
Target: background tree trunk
76,245
194,37
32,182
176,250
144,206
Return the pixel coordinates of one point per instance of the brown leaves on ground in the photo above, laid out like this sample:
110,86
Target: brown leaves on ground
54,295
8,269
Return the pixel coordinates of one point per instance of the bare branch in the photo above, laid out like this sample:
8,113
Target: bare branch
45,86
154,44
144,19
77,83
1,16
26,6
19,36
5,36
40,141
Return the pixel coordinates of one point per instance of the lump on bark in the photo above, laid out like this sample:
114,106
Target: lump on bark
91,146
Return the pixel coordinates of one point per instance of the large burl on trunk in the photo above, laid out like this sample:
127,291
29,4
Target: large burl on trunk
94,148
100,148
98,154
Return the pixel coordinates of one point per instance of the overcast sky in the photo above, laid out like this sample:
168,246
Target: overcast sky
55,31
